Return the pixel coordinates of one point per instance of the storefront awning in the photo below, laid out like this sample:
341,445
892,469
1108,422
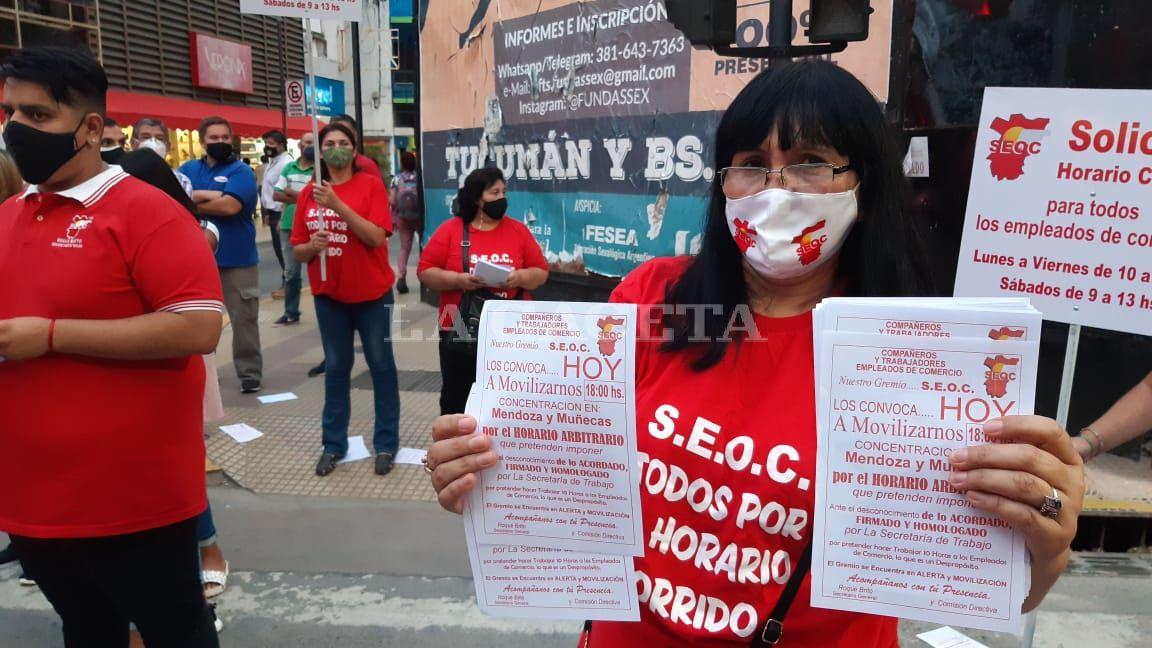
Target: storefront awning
127,107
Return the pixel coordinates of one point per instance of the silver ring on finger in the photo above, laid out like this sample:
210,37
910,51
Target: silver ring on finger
428,468
1052,505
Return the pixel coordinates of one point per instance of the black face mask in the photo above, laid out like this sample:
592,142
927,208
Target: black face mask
220,151
496,209
270,152
112,156
39,154
309,153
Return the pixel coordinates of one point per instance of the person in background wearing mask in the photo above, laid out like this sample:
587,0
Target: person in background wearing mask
362,163
224,190
726,337
117,299
1129,418
276,158
295,176
493,237
112,142
408,216
151,133
347,219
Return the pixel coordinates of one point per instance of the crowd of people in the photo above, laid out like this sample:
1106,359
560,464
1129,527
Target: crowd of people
127,267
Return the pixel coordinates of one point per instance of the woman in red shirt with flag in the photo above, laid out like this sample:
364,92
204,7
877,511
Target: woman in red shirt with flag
347,218
808,204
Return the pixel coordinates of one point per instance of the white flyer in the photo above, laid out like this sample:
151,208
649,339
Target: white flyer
519,581
891,535
556,391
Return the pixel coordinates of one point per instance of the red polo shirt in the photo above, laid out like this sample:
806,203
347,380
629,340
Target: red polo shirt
92,447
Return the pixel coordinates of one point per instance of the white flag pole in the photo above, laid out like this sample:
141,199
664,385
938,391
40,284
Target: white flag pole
310,70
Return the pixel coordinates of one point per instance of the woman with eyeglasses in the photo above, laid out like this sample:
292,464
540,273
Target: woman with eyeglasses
347,220
808,204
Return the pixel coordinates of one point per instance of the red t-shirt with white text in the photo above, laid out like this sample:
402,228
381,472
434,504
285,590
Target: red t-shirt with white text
728,462
509,244
356,272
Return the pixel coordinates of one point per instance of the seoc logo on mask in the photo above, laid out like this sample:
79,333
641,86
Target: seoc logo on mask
745,235
1019,138
810,244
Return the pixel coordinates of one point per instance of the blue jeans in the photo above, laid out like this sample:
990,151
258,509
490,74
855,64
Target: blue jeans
339,323
205,529
292,277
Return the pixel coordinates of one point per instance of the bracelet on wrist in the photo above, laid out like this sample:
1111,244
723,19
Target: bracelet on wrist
1095,448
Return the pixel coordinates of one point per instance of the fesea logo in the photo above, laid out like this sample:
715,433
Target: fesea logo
998,376
609,336
1019,138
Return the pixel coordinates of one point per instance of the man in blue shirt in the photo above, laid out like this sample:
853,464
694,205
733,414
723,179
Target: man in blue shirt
224,190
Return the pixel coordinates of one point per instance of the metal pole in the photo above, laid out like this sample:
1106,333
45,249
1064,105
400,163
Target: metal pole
283,76
1066,380
779,27
1069,375
356,90
310,69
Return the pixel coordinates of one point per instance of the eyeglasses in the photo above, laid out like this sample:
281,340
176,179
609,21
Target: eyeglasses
819,178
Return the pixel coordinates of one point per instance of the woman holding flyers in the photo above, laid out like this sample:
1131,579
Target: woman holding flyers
808,204
483,228
347,219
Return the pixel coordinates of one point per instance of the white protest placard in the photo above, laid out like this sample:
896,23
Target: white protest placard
318,9
294,97
556,390
892,536
522,581
1060,205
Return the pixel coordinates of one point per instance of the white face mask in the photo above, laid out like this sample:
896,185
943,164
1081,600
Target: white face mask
784,234
156,145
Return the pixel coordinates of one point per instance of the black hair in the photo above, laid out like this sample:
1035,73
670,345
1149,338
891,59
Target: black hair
209,122
473,190
408,161
813,103
71,75
324,132
347,119
276,136
108,121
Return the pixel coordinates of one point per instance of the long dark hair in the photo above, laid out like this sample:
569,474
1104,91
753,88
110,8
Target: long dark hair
816,103
473,190
324,132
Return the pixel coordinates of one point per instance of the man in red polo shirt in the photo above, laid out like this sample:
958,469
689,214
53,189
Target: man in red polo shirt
109,298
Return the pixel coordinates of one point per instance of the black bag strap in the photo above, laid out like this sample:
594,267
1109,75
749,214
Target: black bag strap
774,627
465,249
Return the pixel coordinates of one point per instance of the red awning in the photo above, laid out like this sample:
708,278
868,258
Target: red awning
127,107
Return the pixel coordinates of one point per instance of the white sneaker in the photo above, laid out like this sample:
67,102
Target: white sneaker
27,582
216,622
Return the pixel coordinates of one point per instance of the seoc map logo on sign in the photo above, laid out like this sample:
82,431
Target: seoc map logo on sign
1019,138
